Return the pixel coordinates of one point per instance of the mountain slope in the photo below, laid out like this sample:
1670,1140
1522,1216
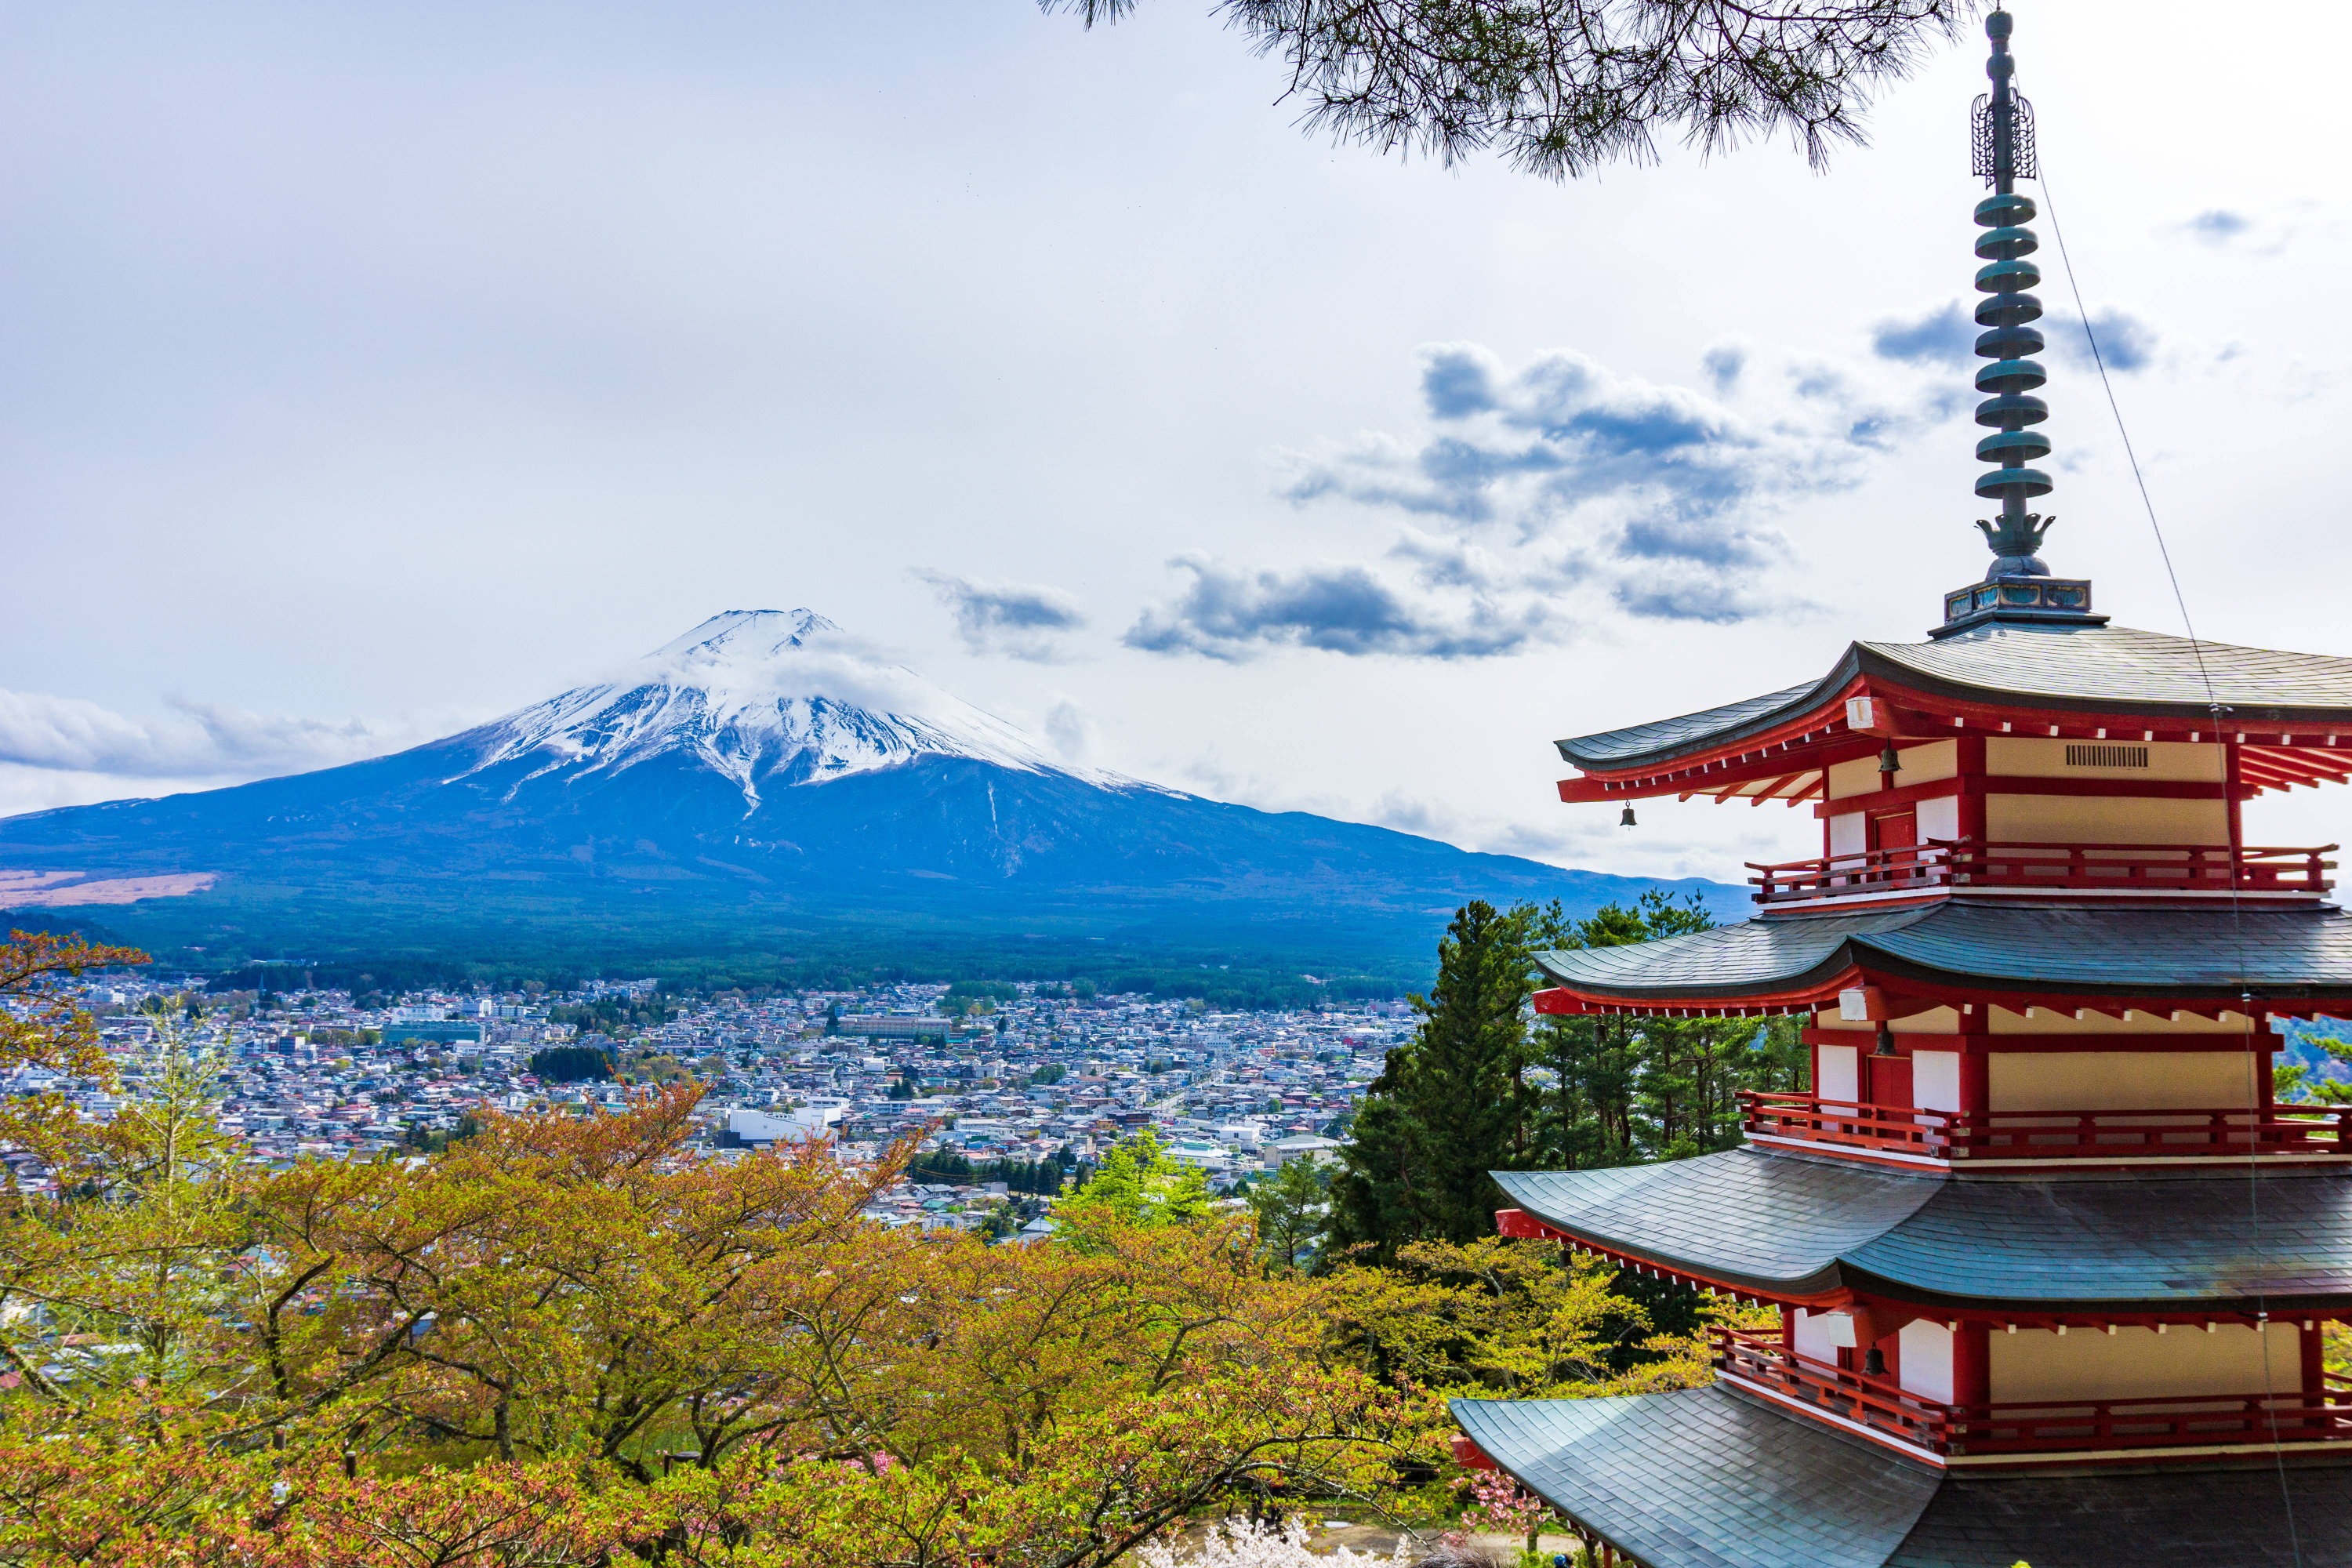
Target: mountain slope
763,783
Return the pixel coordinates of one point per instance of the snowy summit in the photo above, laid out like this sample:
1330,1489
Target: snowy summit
766,698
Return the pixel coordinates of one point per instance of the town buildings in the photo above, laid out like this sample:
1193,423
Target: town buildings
306,1072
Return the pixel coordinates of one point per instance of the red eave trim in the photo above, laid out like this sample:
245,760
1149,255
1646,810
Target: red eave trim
1907,997
2274,758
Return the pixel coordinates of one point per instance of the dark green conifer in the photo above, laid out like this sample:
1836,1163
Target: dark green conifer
1451,1105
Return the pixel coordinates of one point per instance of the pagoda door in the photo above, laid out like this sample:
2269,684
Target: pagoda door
1890,1081
1895,830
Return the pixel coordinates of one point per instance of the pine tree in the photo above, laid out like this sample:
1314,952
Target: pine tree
1617,1090
1293,1208
1451,1106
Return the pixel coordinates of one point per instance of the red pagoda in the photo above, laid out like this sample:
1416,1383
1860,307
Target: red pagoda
2052,1264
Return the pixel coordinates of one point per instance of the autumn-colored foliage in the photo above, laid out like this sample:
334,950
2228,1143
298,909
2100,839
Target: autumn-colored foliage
53,1034
578,1341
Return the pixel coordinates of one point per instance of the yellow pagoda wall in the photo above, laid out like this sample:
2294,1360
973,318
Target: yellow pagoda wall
2196,1063
2036,1364
2102,819
2121,819
2168,762
2117,1081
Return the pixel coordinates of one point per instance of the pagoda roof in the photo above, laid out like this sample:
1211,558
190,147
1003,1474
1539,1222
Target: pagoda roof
2089,671
1957,945
1790,1228
1709,1479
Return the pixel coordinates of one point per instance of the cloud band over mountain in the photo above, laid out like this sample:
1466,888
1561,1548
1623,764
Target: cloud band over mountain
199,739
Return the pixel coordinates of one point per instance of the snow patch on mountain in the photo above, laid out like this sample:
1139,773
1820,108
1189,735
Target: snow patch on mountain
765,698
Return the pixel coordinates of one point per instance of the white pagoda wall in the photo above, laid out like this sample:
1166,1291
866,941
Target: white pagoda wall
1925,1364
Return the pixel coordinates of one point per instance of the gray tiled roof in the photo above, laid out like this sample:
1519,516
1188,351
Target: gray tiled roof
1709,1480
2072,668
2239,1517
2126,951
1705,1478
1785,1225
1664,737
1765,1222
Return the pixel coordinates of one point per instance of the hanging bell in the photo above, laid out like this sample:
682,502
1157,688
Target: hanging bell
1888,763
1886,1047
1625,817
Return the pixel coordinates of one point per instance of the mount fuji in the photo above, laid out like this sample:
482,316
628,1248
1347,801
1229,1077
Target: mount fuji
762,788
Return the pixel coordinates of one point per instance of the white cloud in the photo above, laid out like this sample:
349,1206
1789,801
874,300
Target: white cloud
1231,613
1017,619
1072,732
196,741
1556,495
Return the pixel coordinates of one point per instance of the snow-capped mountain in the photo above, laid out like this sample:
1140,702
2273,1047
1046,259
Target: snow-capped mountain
767,698
764,784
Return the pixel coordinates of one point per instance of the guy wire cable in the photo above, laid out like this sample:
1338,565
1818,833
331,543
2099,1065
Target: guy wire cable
2237,916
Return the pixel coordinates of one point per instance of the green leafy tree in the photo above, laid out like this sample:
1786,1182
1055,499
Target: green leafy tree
571,1064
1293,1208
1137,1184
115,1287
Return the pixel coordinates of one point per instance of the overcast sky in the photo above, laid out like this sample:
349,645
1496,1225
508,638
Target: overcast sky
369,370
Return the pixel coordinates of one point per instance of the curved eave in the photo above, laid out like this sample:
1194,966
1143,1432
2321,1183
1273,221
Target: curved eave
1815,707
1853,965
1824,1284
2096,956
1783,1227
1707,1478
1763,739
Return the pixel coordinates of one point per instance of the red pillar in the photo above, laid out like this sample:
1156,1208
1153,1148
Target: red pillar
2230,788
1972,1365
1976,1071
1976,1078
1972,776
2313,1342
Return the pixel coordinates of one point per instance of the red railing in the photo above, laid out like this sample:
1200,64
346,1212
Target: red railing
2057,868
2046,1426
1873,1401
2052,1134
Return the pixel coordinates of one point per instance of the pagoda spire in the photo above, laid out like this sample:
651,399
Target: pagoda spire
2004,154
2018,585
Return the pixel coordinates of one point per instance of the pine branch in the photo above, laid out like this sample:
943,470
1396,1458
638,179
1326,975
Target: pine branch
1561,88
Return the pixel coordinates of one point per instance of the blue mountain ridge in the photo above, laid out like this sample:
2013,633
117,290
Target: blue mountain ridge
744,790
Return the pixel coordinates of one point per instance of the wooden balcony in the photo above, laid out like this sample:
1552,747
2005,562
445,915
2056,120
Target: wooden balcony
1959,1136
2137,868
1876,1404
